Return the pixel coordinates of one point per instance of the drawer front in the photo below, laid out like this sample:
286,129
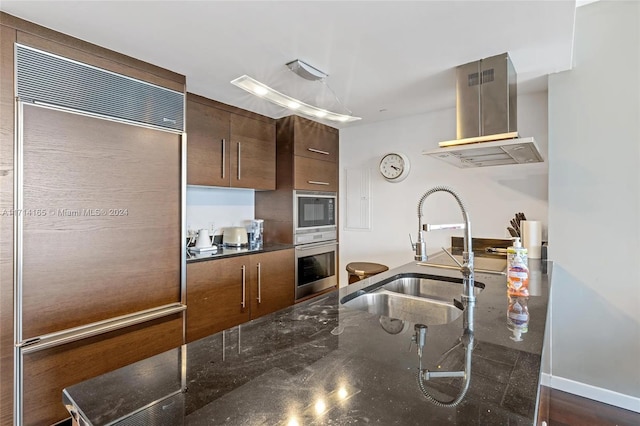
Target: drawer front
48,372
314,140
315,175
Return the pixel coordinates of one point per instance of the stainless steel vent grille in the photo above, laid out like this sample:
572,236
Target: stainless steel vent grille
494,153
59,81
473,79
487,76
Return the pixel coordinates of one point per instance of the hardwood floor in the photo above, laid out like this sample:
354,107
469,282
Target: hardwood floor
566,409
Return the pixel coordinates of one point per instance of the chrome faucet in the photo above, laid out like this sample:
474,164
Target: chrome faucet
466,269
468,302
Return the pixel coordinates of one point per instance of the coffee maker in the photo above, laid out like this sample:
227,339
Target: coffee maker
256,229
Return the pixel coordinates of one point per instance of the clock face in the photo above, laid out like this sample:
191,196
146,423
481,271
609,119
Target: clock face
394,167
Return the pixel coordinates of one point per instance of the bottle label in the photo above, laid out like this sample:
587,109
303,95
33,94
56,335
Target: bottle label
517,274
518,318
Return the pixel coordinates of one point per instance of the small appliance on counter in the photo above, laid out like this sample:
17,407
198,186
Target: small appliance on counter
234,236
256,230
203,242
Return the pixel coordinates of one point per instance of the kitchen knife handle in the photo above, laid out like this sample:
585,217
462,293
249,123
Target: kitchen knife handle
244,287
223,155
259,283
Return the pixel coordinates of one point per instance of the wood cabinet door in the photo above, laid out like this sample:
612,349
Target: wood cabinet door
273,281
48,372
107,228
315,140
208,145
215,292
252,159
315,175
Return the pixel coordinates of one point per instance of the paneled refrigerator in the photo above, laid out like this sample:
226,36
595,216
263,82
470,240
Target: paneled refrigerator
100,190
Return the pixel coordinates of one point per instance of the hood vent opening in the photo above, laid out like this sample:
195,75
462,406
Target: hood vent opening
486,118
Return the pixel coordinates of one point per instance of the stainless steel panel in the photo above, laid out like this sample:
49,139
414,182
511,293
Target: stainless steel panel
94,329
468,100
486,97
496,88
52,79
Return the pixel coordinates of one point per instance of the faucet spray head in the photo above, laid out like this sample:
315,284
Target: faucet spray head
420,337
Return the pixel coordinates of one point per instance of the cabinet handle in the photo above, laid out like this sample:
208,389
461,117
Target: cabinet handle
239,164
244,287
315,182
317,151
259,283
223,155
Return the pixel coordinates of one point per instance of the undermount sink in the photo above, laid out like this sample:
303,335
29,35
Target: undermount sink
417,298
418,310
435,289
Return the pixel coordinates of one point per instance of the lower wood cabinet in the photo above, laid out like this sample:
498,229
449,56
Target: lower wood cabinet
226,292
49,371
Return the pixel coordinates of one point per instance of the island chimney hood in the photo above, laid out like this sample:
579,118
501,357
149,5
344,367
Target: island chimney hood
486,118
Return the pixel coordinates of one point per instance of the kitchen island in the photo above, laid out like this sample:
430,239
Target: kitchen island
319,362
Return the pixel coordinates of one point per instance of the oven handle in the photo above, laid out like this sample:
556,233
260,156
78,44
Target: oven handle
316,245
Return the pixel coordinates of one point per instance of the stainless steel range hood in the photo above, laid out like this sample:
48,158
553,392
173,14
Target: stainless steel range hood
486,118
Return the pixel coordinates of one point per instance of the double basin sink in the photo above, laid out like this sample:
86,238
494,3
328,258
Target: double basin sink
419,298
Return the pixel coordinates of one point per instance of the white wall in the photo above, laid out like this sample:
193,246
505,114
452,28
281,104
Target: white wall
594,207
492,195
218,207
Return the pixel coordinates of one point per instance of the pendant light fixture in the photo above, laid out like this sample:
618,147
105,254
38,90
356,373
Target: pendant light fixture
307,72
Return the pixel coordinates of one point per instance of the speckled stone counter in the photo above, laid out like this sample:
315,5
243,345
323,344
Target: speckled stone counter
223,252
320,363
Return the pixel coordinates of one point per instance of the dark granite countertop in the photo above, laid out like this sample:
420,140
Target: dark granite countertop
321,363
232,252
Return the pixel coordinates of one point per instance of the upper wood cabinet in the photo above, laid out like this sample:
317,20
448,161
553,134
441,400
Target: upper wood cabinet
315,175
307,156
253,153
315,140
229,147
309,152
208,145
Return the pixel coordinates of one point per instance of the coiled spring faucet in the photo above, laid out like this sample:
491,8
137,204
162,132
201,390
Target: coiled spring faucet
468,302
467,255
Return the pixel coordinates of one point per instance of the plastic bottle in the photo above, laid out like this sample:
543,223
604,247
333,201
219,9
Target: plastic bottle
517,270
518,317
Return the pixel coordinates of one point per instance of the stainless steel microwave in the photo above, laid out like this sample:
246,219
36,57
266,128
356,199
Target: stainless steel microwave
314,216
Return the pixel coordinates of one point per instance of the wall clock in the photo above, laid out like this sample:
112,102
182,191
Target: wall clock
394,167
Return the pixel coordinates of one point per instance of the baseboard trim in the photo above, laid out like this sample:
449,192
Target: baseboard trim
592,392
545,380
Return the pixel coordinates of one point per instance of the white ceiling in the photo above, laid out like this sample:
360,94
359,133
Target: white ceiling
385,59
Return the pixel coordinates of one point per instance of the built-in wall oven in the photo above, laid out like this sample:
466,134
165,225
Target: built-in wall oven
316,267
315,235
